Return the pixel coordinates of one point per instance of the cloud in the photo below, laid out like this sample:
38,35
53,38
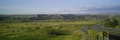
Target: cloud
64,10
80,9
92,9
100,8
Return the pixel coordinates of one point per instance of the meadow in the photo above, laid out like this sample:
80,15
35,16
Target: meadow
43,30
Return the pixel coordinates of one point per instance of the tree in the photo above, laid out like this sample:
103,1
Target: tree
1,18
111,23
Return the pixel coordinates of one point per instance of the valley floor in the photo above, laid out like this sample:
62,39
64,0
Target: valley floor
45,30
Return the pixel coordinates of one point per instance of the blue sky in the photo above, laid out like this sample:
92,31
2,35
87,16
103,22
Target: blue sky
58,6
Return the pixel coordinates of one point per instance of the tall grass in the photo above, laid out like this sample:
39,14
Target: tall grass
42,30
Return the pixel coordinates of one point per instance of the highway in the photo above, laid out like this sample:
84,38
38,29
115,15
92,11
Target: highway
114,33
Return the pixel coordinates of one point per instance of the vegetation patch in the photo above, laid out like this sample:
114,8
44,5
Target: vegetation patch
111,23
57,32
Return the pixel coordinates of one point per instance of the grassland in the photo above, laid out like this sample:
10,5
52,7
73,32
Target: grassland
43,30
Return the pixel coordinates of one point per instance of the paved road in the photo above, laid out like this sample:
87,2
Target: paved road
114,34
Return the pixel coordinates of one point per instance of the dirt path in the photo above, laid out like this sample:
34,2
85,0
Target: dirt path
85,36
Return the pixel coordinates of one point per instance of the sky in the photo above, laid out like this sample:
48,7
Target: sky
58,6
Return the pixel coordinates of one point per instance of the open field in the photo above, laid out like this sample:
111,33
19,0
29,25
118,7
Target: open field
43,30
48,27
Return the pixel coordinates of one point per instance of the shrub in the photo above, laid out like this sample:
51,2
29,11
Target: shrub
31,23
35,23
26,23
57,32
13,30
22,28
7,26
37,27
29,28
48,27
51,31
111,23
3,25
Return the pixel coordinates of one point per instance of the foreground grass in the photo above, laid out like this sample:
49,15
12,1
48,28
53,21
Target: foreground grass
39,30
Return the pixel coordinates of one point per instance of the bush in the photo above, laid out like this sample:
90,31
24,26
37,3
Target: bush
3,25
51,31
29,28
111,23
13,30
37,27
8,27
31,23
35,23
26,23
57,32
22,28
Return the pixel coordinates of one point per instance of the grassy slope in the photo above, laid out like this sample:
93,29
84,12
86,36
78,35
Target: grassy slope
41,34
118,26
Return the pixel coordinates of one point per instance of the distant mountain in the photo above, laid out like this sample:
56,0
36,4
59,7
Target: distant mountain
84,14
64,17
97,14
70,16
107,14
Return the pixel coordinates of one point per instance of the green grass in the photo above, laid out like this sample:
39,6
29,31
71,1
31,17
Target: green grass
28,31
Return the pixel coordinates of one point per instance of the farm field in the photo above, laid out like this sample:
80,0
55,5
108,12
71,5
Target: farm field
43,30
